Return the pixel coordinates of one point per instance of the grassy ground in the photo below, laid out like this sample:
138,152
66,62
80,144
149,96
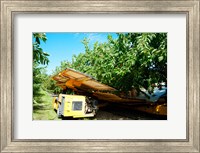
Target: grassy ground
42,107
43,110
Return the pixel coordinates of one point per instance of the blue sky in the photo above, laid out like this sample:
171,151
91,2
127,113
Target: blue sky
62,46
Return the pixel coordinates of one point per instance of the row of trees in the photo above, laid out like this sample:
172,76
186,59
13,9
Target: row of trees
133,60
39,73
41,81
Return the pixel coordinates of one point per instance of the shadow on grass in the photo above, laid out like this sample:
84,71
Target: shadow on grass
37,107
41,107
39,94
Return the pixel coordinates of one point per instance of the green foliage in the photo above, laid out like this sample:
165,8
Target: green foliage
39,56
39,73
42,100
51,86
39,77
133,60
63,65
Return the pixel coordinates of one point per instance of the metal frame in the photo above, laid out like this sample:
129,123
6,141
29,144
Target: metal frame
10,7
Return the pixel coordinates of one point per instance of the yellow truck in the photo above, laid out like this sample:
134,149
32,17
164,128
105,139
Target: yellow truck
75,106
83,84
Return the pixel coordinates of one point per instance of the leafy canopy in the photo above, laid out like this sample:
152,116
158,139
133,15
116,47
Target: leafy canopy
133,60
39,56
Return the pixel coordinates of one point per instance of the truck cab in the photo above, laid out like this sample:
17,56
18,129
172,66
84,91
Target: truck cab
75,106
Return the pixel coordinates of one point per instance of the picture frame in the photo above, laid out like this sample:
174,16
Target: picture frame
10,8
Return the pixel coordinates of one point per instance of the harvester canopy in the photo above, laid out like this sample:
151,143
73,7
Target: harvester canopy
86,85
79,81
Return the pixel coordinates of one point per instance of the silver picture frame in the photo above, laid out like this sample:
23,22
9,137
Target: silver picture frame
11,7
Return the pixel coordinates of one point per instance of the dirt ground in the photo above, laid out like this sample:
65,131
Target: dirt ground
116,114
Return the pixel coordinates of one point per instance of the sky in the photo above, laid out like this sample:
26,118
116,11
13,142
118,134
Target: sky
62,46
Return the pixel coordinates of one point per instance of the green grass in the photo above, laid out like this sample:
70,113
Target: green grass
42,107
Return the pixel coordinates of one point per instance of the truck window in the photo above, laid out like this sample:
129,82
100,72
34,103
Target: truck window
77,105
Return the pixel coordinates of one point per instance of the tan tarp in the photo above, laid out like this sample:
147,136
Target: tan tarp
74,79
81,82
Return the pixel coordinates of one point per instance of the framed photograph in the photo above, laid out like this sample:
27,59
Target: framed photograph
165,33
